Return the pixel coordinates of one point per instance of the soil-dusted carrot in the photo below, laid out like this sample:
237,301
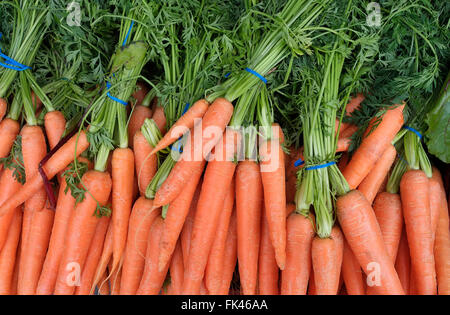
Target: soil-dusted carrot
105,261
230,258
138,116
403,262
3,108
371,184
81,230
93,257
60,160
300,234
146,163
213,124
8,254
160,119
175,218
217,180
55,125
273,179
122,199
249,200
177,271
373,147
267,266
153,279
414,191
183,125
186,232
214,267
141,220
352,273
363,234
37,245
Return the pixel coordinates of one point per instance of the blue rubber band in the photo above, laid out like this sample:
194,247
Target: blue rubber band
185,108
108,86
319,166
413,130
227,75
299,162
128,34
256,74
12,64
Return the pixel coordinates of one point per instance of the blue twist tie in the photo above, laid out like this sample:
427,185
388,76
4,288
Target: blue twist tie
108,86
413,130
128,34
227,75
256,74
319,166
299,162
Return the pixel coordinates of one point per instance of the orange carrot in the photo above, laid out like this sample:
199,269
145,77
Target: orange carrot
175,218
249,200
267,266
403,262
93,257
214,268
351,273
230,258
81,230
140,92
435,183
177,271
104,264
60,160
217,180
8,254
414,190
363,234
213,124
182,125
186,232
312,283
3,108
352,105
373,147
38,239
160,119
348,131
55,125
343,161
141,220
9,129
138,116
343,144
153,279
122,200
371,184
273,179
116,278
300,234
146,163
104,289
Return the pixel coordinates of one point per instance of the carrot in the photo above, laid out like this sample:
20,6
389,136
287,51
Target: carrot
146,164
142,216
104,262
300,234
81,230
15,278
435,183
9,129
373,147
352,105
343,144
230,257
249,200
37,245
55,125
186,232
217,180
273,179
140,92
104,289
60,160
351,273
138,116
177,271
93,257
403,262
153,279
160,119
213,124
348,132
371,184
267,265
175,218
122,199
388,211
9,253
414,191
3,108
363,234
182,125
116,278
442,244
312,283
203,289
214,268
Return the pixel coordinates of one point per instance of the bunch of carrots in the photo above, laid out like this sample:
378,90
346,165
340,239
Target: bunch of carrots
141,192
